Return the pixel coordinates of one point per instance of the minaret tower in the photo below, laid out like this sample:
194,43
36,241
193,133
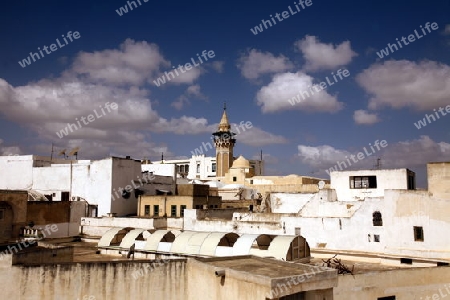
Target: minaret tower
224,142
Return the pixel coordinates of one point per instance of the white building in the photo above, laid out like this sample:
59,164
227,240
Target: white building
356,185
204,167
108,185
374,215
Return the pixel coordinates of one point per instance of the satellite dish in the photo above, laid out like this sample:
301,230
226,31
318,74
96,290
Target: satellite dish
74,152
62,153
321,184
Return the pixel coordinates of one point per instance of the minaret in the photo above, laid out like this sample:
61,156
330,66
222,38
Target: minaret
224,143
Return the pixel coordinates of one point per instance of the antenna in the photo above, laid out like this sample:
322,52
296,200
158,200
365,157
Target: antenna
51,154
225,105
378,164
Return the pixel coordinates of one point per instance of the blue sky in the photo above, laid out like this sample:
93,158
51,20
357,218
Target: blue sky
117,58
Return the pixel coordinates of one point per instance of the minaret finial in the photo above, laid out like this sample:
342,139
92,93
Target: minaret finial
224,105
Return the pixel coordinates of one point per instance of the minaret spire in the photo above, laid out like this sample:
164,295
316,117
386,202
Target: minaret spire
224,142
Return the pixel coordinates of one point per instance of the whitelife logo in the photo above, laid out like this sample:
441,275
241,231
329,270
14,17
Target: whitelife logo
358,157
86,120
391,48
430,118
188,66
319,87
71,36
284,15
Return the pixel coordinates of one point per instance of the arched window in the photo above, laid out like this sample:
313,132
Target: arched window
377,219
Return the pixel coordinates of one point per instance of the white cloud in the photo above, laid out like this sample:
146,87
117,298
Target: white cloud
188,77
403,154
218,66
257,63
447,29
134,63
191,91
257,137
364,117
422,86
321,56
47,106
284,87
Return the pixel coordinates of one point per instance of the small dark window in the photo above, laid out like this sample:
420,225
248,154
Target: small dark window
387,298
376,238
377,219
407,261
182,208
234,178
363,182
2,214
173,210
156,210
147,210
441,264
418,234
213,167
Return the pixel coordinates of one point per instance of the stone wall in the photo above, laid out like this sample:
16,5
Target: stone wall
102,280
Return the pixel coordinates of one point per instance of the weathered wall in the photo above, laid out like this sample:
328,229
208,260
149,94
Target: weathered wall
438,179
40,255
406,209
104,281
220,288
97,227
18,202
404,284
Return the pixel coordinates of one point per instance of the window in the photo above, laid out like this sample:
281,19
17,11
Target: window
186,168
198,168
213,167
387,298
407,261
2,214
173,210
182,169
411,182
234,178
418,233
182,208
198,206
65,196
363,182
376,238
147,210
377,219
156,210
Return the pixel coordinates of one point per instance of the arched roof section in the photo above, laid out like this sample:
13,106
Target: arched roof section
130,238
289,247
113,236
181,241
216,239
195,242
157,237
252,244
244,243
